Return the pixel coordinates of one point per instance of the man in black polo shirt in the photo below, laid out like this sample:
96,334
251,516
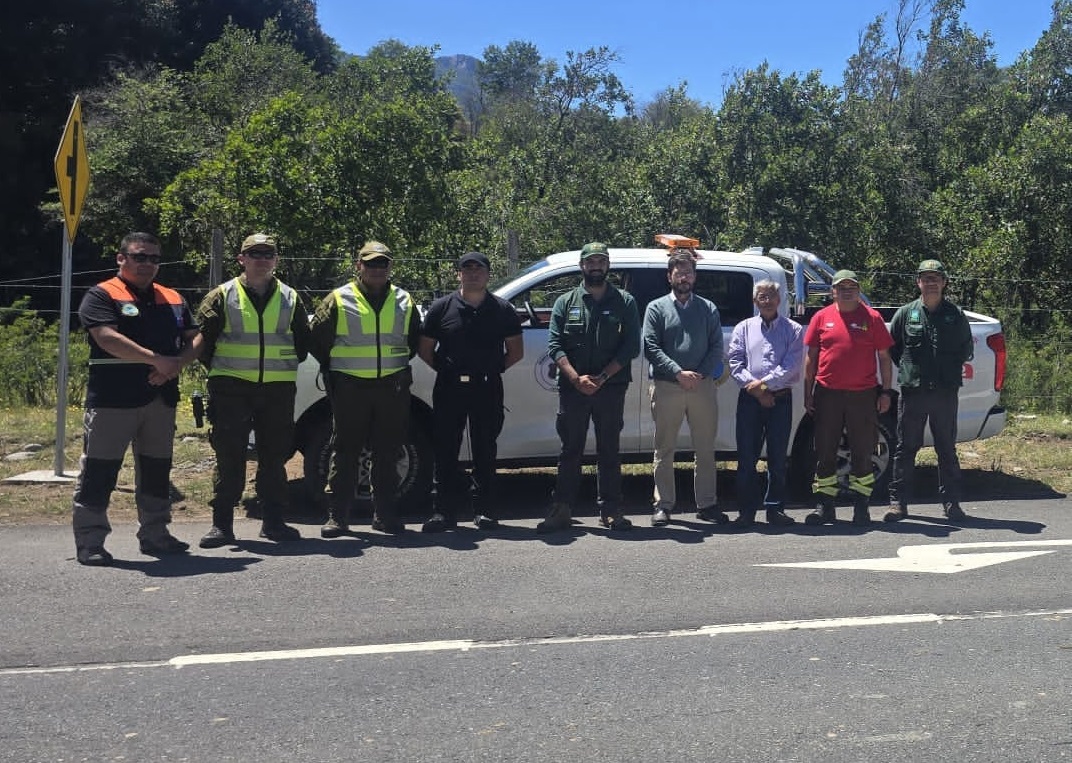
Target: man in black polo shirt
469,337
141,335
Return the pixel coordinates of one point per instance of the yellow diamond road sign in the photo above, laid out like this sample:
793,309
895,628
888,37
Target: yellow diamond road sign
72,169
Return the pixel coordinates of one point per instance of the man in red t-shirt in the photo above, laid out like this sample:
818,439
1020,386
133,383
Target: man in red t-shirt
841,391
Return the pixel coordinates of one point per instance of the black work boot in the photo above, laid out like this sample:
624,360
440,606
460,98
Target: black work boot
558,518
861,516
385,520
338,523
745,518
439,522
824,513
217,537
953,512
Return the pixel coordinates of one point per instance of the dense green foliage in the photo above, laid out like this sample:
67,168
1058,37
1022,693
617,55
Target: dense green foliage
28,359
928,148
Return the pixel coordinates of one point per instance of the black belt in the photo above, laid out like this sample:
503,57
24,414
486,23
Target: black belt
472,378
782,393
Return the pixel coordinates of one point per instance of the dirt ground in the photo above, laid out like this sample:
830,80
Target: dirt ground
191,490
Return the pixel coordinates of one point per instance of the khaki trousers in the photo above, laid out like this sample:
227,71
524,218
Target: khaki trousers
670,406
150,433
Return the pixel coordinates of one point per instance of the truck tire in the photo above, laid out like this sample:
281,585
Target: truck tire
415,467
801,471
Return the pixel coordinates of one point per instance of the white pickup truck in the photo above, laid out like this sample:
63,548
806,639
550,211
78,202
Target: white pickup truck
529,438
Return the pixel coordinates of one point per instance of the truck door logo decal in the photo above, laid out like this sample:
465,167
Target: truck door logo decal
544,371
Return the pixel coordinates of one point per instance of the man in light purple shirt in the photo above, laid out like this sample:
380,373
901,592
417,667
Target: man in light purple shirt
766,357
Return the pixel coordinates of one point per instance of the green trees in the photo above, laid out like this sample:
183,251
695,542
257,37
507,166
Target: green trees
242,115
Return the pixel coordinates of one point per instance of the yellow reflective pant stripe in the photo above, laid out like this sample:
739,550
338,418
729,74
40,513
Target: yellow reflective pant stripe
825,485
862,485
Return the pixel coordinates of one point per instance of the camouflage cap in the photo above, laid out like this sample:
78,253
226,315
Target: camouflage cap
373,250
594,248
931,266
258,241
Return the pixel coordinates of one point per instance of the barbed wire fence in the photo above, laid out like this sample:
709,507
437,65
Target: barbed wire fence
1035,381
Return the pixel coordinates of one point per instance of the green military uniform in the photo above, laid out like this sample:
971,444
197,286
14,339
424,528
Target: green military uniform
364,342
253,343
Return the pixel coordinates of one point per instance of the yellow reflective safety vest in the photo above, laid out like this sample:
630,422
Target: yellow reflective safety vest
257,347
370,344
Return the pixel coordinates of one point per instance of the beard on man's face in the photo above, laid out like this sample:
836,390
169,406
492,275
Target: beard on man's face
595,277
682,288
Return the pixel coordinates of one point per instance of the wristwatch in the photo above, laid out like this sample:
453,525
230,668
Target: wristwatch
603,378
763,387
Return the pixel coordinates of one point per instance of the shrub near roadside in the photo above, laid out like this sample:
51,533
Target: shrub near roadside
29,359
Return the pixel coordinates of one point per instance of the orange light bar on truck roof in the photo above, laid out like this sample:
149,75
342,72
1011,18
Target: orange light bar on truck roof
674,241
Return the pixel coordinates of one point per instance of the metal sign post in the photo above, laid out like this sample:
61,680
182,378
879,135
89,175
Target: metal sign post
72,181
62,368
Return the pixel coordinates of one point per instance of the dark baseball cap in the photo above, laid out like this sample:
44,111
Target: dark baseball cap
476,257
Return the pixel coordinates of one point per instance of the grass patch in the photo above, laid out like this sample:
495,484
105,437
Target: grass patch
1032,458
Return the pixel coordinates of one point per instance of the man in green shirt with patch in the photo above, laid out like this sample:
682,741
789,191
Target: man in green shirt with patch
931,342
593,337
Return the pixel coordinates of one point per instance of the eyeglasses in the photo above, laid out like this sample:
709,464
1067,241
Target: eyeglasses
260,254
379,264
141,257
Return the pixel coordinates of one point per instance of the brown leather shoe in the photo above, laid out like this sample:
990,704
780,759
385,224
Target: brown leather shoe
896,513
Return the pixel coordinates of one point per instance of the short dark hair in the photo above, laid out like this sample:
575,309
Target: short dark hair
680,258
138,238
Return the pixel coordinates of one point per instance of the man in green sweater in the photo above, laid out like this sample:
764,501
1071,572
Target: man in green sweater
682,340
931,342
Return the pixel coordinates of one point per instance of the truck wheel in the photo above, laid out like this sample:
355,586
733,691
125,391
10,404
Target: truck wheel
415,467
802,463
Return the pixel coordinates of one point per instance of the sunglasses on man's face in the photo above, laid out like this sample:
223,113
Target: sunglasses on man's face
141,257
260,254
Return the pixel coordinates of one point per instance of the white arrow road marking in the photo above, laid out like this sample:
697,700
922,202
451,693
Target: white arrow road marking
939,559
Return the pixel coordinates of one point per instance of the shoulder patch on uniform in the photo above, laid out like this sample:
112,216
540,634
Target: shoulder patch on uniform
130,310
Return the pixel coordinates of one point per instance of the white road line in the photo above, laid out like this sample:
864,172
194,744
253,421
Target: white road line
464,645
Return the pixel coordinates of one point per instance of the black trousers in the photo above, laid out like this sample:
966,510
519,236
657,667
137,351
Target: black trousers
606,410
478,403
916,408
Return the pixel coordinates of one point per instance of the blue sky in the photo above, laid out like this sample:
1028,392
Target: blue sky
663,43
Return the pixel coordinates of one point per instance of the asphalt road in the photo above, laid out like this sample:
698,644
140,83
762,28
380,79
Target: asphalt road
673,644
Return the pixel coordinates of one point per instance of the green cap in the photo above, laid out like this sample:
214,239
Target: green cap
373,250
931,266
595,247
258,241
845,275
